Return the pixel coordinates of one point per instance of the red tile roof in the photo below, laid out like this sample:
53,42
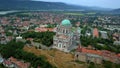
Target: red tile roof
7,62
95,32
105,53
119,55
20,64
42,29
91,51
30,39
98,52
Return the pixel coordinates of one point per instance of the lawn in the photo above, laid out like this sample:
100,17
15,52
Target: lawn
91,13
79,14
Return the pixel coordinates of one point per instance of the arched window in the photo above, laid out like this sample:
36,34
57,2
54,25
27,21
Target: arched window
66,31
63,30
59,45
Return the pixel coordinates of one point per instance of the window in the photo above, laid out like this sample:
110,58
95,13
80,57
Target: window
59,45
63,31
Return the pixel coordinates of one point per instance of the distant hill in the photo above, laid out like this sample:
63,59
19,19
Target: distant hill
35,5
116,10
40,5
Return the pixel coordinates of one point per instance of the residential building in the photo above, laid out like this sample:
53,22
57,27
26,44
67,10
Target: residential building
8,64
89,58
96,56
19,64
104,34
95,33
43,29
1,59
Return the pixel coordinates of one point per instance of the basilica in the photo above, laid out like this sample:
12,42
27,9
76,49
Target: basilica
67,37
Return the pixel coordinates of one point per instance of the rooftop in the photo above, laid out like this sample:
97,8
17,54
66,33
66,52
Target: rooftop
20,64
98,52
42,29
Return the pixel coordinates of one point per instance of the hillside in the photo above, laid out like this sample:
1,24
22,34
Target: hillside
41,5
35,5
66,60
57,58
116,10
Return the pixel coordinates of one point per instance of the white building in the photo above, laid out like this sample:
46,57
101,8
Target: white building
66,38
104,34
19,38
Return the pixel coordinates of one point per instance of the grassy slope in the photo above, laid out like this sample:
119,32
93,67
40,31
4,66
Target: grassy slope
57,58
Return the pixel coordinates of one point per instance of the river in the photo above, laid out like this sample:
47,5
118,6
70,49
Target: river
6,12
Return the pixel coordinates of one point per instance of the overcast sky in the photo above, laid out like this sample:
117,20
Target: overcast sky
99,3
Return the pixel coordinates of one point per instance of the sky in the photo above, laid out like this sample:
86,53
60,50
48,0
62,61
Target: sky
98,3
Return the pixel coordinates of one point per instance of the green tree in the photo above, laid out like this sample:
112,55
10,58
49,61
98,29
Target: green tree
107,64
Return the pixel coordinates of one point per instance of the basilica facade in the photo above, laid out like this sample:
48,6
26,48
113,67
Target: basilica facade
67,37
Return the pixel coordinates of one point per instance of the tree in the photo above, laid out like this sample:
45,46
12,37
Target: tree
107,64
28,42
91,65
15,49
10,48
46,38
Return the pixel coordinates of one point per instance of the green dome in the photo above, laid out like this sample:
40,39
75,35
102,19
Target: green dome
66,22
